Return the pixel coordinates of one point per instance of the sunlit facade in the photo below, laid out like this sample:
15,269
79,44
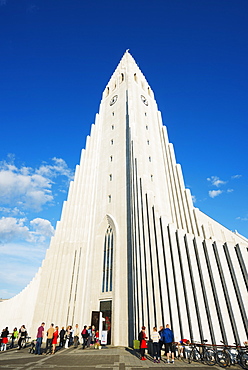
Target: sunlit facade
130,241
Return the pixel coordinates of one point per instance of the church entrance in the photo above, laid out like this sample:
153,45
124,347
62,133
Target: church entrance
106,309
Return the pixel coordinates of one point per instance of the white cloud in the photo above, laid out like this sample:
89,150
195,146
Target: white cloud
215,180
193,198
30,191
236,176
11,211
13,229
29,188
59,168
214,193
229,190
242,218
42,227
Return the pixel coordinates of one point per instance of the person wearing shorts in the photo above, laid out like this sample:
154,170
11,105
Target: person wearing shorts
168,339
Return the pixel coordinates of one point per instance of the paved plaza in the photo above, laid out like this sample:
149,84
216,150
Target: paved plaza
117,358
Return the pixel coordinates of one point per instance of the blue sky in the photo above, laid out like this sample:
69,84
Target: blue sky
56,58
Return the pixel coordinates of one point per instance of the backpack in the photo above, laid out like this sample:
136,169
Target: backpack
84,333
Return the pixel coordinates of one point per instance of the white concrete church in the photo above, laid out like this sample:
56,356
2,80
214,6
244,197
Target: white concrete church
130,243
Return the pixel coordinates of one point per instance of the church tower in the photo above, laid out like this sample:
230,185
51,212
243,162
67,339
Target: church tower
130,243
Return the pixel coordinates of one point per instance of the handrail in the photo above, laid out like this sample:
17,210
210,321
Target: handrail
214,345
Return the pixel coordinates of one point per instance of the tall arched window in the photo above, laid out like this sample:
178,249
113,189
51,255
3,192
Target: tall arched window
108,261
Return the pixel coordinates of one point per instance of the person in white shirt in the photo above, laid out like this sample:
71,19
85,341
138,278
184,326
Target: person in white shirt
155,340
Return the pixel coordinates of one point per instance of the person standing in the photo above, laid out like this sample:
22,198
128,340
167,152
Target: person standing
160,343
62,337
168,339
155,337
89,336
55,339
22,337
14,336
4,337
67,336
76,336
143,345
84,336
71,336
50,332
93,334
40,335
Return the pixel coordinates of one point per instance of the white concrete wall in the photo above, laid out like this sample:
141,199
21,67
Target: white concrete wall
157,232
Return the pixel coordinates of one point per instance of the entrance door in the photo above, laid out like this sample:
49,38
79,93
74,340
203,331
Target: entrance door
106,309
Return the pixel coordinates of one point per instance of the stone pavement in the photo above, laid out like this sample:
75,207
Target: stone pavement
107,358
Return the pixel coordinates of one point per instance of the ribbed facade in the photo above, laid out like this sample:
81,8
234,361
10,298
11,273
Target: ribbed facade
129,234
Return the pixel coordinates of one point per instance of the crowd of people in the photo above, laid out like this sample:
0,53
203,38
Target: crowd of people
64,338
163,337
6,336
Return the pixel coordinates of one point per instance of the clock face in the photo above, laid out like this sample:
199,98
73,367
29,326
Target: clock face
113,100
144,100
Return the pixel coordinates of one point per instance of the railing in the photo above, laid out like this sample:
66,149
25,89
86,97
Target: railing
210,354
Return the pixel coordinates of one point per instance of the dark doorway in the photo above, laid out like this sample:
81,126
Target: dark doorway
95,319
106,309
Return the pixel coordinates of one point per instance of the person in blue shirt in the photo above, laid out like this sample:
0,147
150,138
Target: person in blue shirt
168,338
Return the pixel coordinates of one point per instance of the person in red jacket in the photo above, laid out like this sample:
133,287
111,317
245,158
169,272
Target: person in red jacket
143,345
4,337
55,339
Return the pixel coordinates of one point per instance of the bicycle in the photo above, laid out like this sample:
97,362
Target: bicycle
244,357
200,352
32,346
225,357
240,357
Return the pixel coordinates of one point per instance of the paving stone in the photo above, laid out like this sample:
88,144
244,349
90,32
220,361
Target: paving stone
109,358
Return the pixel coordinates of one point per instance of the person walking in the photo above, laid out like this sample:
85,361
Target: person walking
155,337
168,339
143,345
40,335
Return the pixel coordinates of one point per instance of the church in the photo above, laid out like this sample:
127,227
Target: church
130,242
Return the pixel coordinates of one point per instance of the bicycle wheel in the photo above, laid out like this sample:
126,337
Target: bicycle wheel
210,357
194,355
222,358
244,360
